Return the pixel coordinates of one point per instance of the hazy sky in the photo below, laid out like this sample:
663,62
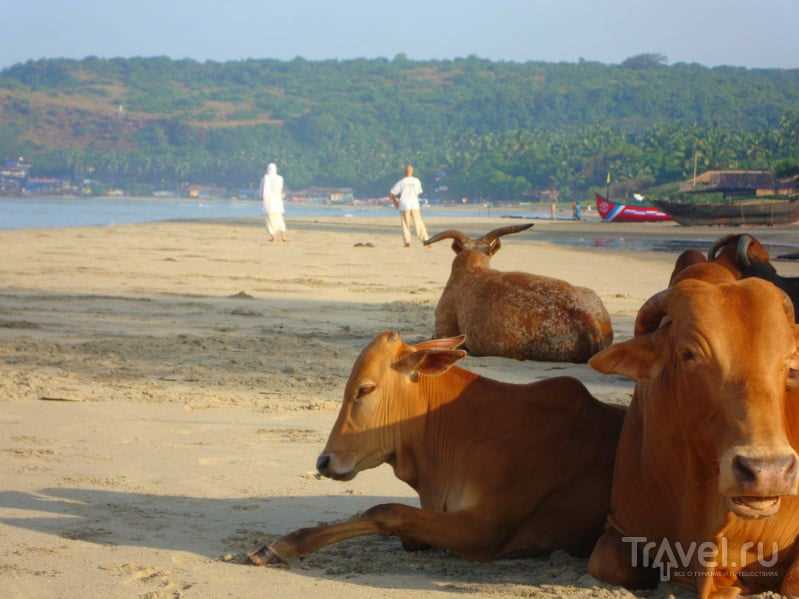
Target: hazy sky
755,33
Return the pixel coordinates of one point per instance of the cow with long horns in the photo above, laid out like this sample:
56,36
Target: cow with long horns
516,314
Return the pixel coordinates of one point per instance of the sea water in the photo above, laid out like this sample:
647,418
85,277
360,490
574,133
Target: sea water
34,212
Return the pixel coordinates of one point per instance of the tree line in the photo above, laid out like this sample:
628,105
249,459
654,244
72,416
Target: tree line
495,130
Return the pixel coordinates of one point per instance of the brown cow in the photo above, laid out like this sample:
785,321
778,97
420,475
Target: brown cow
743,256
516,314
685,260
501,470
733,251
707,457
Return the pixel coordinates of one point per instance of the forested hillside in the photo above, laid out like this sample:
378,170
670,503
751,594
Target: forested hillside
497,129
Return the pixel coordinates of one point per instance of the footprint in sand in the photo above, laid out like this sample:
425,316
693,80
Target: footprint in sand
304,435
167,587
216,461
25,452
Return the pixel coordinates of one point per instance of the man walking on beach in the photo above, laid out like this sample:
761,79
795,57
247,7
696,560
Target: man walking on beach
272,197
405,196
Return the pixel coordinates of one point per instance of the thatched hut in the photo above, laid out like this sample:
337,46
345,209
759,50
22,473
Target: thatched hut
730,182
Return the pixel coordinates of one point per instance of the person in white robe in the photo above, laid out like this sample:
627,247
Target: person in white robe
272,198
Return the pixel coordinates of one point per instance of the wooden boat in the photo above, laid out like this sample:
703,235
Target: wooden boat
738,212
612,212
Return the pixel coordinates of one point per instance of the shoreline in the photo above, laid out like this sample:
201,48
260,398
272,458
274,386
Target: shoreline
587,234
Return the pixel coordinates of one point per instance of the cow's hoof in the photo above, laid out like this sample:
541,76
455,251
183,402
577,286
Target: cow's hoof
265,556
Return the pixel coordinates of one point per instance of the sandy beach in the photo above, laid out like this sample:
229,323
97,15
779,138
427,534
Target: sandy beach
167,387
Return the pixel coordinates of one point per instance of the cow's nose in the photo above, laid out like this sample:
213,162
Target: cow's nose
765,471
322,463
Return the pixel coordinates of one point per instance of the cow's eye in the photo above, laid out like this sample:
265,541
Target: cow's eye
365,390
793,378
687,355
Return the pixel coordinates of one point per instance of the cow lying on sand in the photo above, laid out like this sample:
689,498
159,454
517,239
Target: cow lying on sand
516,314
707,457
501,470
694,265
745,254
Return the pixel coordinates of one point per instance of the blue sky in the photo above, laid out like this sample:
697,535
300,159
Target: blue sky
740,32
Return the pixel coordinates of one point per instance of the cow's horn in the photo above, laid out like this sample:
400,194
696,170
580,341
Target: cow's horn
449,234
651,313
713,253
497,233
742,250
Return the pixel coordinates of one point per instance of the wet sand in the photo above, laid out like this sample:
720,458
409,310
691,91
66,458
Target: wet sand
167,387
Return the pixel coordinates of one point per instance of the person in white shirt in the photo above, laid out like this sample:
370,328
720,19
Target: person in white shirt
272,197
405,196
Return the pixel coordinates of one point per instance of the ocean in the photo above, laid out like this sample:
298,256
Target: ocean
56,212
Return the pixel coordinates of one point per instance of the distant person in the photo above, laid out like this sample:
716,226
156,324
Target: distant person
405,196
553,210
578,212
272,197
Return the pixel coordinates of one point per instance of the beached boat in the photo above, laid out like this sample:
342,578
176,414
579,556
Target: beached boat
626,213
747,198
740,212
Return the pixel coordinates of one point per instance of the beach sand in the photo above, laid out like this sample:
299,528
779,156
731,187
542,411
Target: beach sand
166,389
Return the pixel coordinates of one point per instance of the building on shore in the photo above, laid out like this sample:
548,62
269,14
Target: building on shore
788,186
45,186
729,183
741,183
204,191
13,174
323,195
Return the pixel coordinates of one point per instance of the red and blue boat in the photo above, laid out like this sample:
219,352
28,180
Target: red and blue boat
611,212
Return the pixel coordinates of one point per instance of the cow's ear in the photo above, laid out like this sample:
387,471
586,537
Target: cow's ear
443,343
430,362
635,359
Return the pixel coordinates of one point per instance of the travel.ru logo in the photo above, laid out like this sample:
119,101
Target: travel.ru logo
676,558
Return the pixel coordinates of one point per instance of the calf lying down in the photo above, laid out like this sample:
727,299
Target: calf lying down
501,470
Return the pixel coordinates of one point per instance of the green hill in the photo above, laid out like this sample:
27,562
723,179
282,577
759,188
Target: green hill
496,129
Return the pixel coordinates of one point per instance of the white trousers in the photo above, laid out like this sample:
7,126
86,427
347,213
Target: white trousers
275,223
412,216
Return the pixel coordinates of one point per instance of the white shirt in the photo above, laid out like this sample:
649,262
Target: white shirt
272,193
408,191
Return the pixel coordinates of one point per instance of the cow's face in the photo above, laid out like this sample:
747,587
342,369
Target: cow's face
720,361
381,394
